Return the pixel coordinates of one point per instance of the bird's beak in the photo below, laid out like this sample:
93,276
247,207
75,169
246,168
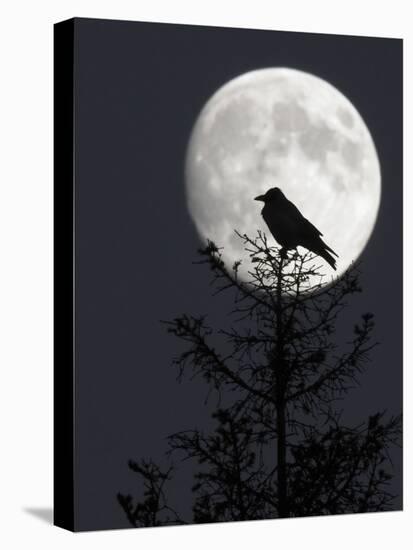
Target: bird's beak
260,198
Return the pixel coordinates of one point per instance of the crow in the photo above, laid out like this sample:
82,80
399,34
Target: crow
289,227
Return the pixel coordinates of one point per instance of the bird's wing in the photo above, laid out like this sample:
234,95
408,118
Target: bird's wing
313,227
292,211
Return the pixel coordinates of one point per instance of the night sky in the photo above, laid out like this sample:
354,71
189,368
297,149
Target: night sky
139,89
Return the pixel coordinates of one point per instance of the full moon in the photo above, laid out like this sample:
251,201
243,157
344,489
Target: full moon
280,127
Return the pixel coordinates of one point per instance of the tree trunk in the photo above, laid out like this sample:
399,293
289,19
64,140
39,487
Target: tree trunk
281,453
280,390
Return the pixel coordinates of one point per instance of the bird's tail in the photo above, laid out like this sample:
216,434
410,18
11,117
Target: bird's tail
325,253
329,258
329,249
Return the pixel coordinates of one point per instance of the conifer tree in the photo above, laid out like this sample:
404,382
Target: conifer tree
280,447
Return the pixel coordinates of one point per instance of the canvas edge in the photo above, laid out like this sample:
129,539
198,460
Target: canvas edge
63,294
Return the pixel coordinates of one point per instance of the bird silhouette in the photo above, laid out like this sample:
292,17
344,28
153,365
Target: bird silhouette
289,227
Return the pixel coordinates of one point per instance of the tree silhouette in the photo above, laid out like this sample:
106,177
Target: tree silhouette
280,447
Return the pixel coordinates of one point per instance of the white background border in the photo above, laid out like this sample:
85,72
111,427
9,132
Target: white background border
26,224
